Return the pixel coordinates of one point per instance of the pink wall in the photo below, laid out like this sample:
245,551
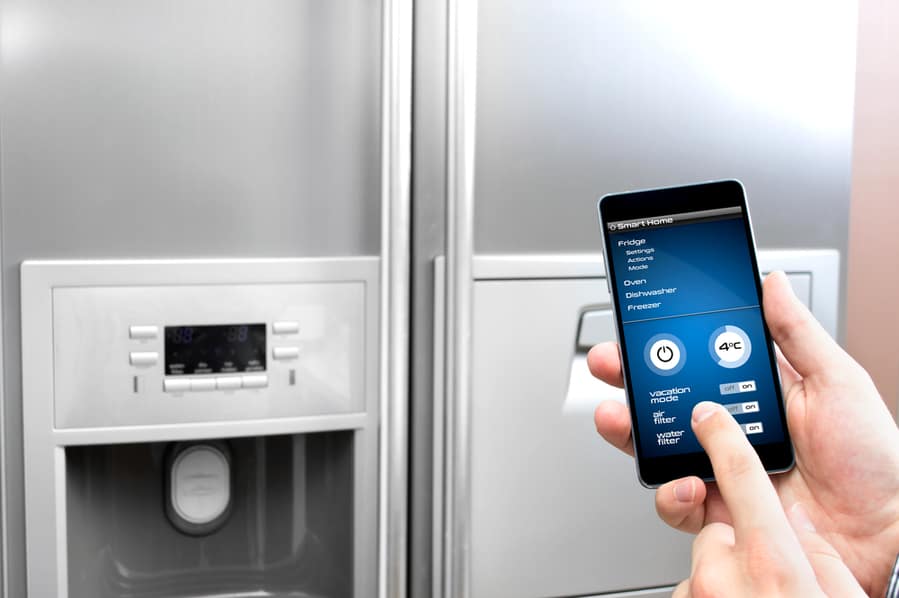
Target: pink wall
872,317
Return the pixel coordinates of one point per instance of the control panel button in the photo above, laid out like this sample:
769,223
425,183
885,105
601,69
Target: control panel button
202,384
255,381
144,357
664,354
286,327
286,352
143,332
176,384
229,383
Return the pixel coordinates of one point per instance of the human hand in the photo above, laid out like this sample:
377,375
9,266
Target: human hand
760,553
847,446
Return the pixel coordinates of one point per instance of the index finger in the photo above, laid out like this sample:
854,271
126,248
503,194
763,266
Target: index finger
744,485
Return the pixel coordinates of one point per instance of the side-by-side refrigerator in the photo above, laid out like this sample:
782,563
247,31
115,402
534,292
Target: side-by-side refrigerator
297,295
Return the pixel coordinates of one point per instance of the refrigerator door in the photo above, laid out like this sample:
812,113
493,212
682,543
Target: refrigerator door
556,511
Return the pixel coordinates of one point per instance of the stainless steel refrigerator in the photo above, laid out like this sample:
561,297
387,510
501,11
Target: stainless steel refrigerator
398,200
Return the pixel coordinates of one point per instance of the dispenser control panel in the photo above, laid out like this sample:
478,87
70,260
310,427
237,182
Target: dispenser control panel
176,344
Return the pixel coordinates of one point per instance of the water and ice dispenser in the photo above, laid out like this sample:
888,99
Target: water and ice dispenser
201,428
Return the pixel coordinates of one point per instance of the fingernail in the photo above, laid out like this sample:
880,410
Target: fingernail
703,410
684,491
800,519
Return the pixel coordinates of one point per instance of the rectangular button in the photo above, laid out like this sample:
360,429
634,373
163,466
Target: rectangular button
753,428
751,407
286,327
202,384
144,358
176,384
255,381
747,386
286,352
143,332
229,383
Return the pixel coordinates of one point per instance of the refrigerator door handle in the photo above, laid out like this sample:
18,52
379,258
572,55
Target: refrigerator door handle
585,392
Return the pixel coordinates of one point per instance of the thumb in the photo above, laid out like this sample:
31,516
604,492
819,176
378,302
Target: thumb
805,344
832,574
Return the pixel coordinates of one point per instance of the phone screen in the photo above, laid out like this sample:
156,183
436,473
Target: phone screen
687,296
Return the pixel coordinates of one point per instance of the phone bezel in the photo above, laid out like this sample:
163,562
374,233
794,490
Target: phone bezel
652,472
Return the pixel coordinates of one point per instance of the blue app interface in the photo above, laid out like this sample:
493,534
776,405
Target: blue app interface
692,327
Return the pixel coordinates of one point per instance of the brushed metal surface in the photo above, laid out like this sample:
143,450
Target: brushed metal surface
580,98
197,128
172,129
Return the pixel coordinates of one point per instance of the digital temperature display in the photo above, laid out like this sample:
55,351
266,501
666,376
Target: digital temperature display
220,349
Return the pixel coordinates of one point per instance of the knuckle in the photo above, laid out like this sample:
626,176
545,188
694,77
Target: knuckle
706,583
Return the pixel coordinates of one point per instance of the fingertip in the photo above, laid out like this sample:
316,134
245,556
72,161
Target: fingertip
704,410
681,503
604,363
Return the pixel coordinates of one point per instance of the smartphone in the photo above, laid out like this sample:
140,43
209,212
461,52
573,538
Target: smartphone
687,297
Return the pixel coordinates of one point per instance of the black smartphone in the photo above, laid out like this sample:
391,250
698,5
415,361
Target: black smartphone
686,291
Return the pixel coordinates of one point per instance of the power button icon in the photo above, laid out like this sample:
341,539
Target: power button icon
665,354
